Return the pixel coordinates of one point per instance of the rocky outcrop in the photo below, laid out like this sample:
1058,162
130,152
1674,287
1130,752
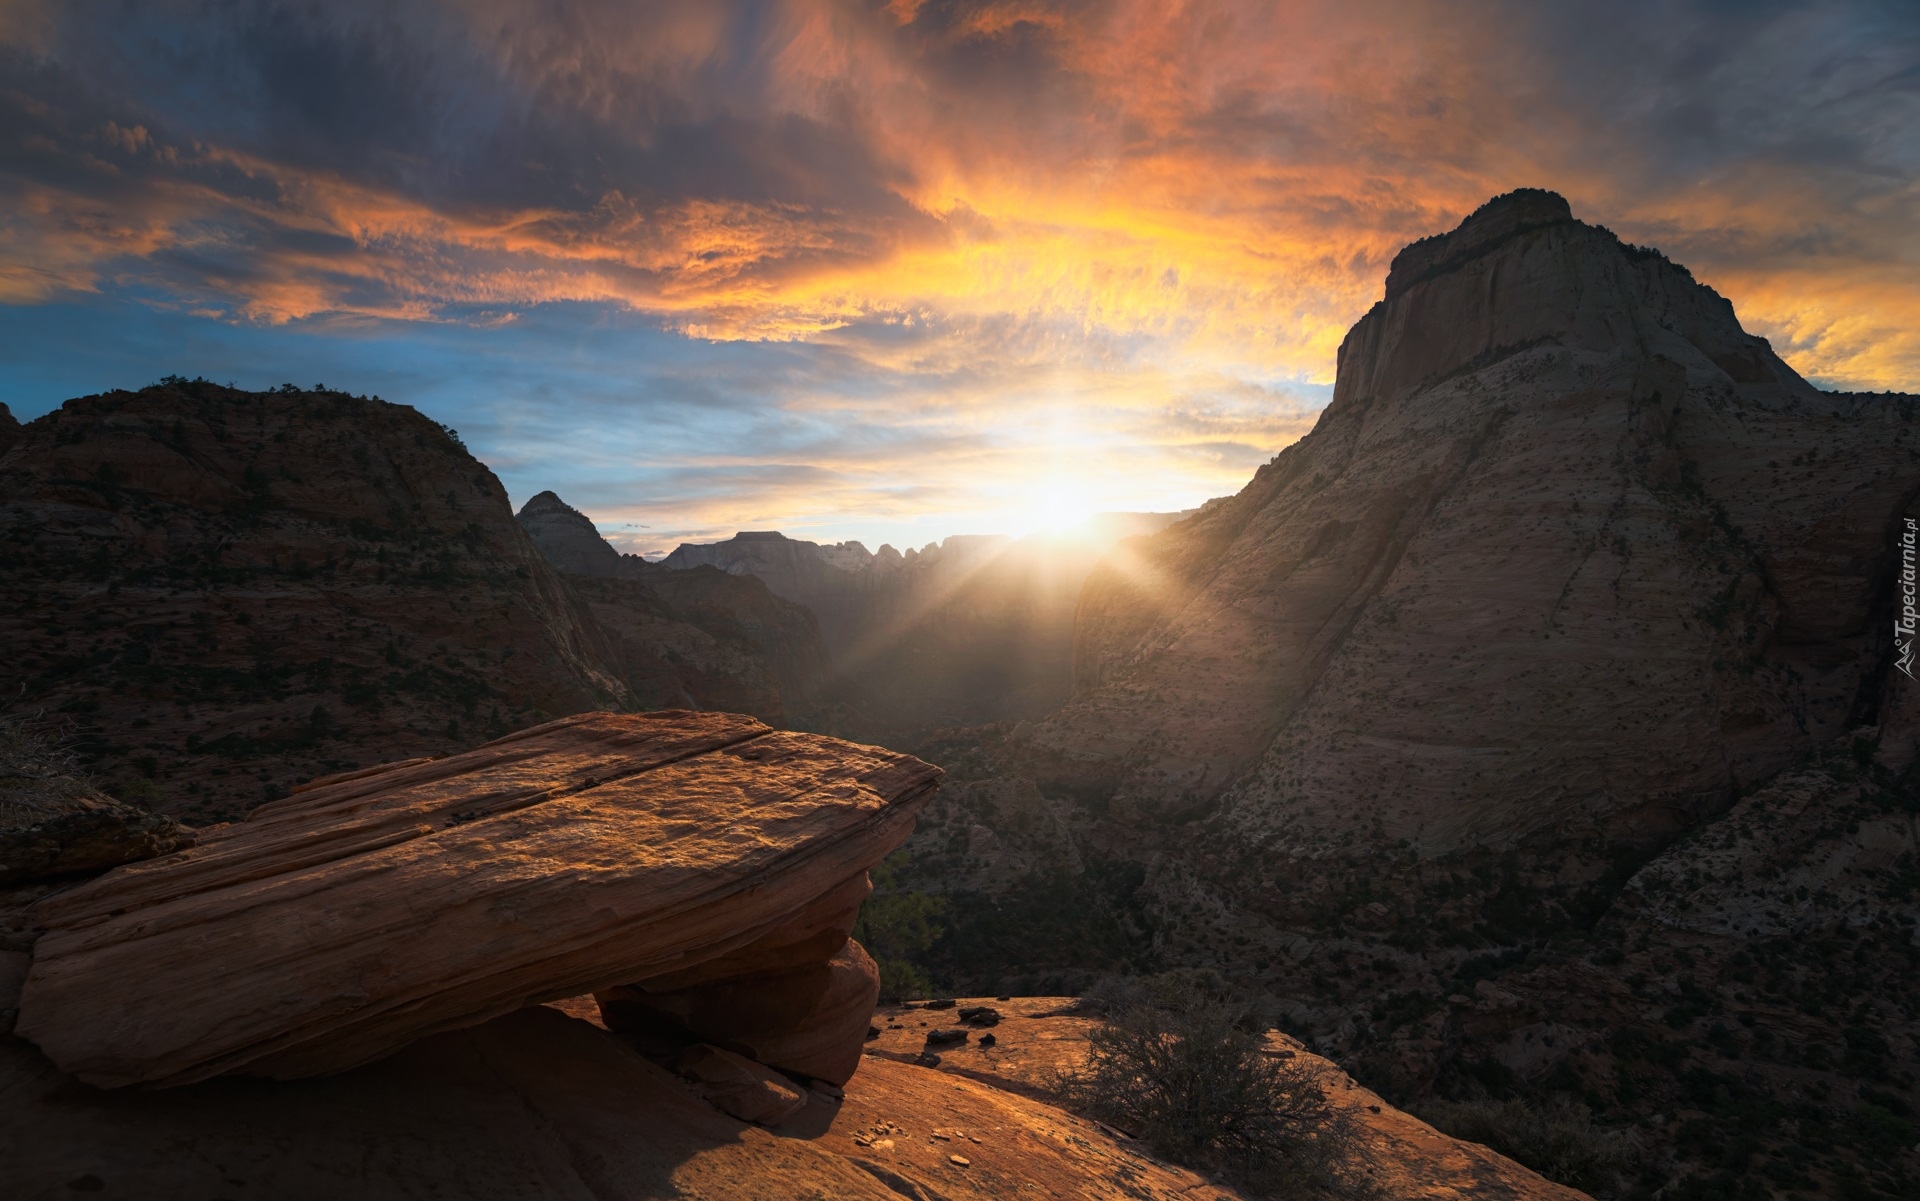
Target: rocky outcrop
379,907
230,592
567,537
9,429
1568,557
539,1103
808,1020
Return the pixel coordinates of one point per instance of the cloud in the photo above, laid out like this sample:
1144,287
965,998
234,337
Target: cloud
982,230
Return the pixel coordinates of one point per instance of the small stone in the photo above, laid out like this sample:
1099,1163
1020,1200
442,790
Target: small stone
1003,998
939,1038
873,1032
949,1003
987,1040
960,1160
980,1015
927,1059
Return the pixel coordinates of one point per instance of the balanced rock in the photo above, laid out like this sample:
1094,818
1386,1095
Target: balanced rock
372,909
810,1020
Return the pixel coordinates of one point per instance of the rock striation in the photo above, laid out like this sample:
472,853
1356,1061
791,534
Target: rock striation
381,906
230,592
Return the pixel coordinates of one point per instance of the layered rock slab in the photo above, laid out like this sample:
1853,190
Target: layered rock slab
336,926
809,1020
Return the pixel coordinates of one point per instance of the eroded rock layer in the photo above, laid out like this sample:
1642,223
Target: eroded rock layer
373,909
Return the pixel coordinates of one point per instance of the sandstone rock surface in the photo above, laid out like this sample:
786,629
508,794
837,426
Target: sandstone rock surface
807,1020
739,1087
381,906
1041,1037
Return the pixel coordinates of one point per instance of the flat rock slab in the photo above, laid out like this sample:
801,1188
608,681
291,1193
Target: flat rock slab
368,911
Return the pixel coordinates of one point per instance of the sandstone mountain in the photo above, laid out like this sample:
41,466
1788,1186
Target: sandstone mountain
1569,556
227,592
975,628
699,638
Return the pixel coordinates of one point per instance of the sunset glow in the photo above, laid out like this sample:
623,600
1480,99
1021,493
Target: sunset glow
810,264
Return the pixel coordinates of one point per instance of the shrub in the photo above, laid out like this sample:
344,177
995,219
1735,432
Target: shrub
1557,1139
1176,1065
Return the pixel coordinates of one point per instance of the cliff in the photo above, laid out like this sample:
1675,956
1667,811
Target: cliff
229,592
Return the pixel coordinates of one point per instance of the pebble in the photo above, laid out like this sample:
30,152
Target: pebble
962,1160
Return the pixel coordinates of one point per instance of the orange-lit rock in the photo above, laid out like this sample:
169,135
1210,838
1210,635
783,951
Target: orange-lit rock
340,924
809,1020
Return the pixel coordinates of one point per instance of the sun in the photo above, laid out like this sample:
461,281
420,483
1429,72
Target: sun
1058,508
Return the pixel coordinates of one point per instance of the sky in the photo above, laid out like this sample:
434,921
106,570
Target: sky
899,269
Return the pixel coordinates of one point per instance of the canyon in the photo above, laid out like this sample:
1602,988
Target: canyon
1529,728
1533,731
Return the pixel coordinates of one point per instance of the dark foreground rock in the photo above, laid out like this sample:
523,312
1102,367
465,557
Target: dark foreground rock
378,908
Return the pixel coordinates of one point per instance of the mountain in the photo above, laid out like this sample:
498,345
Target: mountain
228,592
567,537
9,429
698,639
1530,729
1569,556
972,629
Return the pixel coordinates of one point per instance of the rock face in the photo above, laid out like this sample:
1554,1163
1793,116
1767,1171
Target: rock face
1568,557
808,1020
567,538
231,592
9,429
385,905
699,639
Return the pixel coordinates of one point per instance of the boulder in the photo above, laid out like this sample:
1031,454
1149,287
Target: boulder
810,1020
366,911
739,1087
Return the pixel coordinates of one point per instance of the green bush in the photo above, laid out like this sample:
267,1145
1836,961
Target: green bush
1176,1065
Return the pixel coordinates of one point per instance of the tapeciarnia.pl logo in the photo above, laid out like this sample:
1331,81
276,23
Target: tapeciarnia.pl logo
1903,625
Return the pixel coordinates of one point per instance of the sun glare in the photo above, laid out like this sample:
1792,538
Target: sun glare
1058,507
